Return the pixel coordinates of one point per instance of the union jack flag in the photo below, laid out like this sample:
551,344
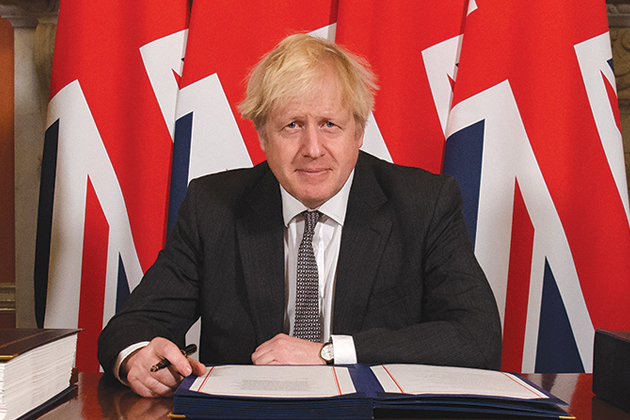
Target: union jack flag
107,154
527,102
534,140
413,48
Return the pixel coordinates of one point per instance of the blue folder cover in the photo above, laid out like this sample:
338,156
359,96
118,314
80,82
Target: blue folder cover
368,402
196,405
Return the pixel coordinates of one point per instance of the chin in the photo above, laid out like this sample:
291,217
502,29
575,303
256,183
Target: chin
312,202
313,194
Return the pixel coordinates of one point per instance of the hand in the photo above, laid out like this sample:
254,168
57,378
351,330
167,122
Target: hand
162,383
285,350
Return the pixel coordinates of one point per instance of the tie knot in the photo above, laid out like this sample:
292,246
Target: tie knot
310,220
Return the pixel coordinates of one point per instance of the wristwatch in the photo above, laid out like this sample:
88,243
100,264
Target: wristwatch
328,353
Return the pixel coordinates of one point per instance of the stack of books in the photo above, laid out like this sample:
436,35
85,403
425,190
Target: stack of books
359,392
35,369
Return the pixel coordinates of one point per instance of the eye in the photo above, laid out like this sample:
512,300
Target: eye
292,124
329,124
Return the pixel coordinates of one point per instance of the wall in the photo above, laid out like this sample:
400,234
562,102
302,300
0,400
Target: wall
7,179
32,34
620,38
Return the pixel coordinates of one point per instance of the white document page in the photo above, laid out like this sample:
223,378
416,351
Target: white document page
275,381
444,380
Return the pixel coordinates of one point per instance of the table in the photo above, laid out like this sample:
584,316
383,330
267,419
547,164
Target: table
100,398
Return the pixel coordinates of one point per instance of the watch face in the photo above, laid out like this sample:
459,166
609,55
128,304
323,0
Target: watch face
327,352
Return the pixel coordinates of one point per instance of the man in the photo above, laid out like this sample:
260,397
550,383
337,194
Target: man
395,276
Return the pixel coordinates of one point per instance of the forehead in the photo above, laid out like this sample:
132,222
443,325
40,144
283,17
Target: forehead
323,96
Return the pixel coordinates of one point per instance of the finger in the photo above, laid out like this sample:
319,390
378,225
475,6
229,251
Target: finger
266,355
264,360
140,371
258,357
153,389
145,383
158,392
271,343
178,361
164,382
271,351
198,368
262,353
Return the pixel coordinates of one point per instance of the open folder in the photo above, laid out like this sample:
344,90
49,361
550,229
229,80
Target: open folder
357,392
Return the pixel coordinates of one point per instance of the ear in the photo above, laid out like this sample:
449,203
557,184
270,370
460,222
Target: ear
262,139
360,134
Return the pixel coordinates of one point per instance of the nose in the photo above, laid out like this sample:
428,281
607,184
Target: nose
312,142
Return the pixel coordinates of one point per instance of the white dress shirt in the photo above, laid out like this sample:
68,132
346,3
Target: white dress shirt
326,245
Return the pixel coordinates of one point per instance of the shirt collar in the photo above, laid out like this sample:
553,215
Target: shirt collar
334,208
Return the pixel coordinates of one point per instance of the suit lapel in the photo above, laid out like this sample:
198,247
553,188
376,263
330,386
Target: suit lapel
365,234
260,241
261,244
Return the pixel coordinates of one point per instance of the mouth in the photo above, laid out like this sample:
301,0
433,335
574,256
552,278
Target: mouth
312,170
313,175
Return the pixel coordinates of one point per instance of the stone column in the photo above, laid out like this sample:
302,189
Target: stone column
34,23
619,23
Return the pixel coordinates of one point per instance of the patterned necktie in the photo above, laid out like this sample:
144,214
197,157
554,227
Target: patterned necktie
307,323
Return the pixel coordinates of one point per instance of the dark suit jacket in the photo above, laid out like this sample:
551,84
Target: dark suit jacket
408,287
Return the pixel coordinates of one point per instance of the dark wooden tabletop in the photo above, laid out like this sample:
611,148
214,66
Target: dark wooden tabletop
100,398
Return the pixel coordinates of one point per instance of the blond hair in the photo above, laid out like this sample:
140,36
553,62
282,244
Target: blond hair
296,66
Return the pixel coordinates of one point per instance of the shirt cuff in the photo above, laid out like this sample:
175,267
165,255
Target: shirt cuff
123,355
345,353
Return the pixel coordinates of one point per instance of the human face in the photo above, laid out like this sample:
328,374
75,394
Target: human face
312,144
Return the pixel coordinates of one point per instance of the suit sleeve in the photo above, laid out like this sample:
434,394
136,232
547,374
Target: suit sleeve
164,304
458,322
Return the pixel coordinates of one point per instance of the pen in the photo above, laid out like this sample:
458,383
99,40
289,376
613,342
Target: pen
190,349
